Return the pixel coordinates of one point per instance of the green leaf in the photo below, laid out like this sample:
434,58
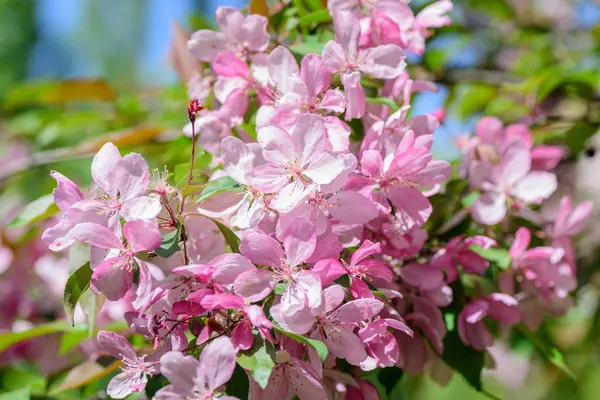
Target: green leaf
259,360
170,243
19,394
91,305
469,199
500,257
181,172
317,345
315,5
10,338
250,129
463,359
18,377
239,384
231,238
472,98
319,16
70,340
220,185
311,45
547,350
383,101
280,287
77,284
35,211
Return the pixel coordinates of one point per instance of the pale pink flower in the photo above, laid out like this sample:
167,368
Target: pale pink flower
301,90
335,322
291,372
114,276
458,252
511,180
198,379
361,268
135,369
240,34
344,55
294,161
399,177
303,286
381,344
471,326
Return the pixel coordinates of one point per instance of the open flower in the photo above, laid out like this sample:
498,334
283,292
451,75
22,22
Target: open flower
114,276
135,369
198,379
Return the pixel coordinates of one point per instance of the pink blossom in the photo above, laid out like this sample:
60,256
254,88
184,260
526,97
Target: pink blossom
510,180
294,161
361,268
114,275
303,286
381,344
239,34
135,369
471,327
291,372
343,55
198,379
458,252
334,321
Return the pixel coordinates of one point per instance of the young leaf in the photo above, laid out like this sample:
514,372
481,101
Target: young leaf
383,101
311,45
10,338
259,360
239,384
317,345
220,185
500,257
19,394
35,211
170,243
319,16
231,238
77,284
547,350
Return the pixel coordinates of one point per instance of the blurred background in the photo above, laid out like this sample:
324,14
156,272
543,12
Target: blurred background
73,71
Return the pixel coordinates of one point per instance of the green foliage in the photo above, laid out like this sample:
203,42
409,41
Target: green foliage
317,345
220,185
170,243
259,360
232,240
499,257
77,284
35,211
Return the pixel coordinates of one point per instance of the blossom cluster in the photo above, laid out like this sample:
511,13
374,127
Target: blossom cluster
310,244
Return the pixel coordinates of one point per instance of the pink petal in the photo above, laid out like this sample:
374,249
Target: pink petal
314,74
104,165
299,241
254,33
384,62
356,311
206,44
142,235
333,56
277,145
343,343
413,208
180,370
520,243
347,31
352,208
255,284
422,276
371,163
131,176
366,249
142,207
329,270
282,66
503,308
242,337
299,320
229,65
113,277
125,383
536,186
116,345
221,301
355,96
489,208
217,362
304,382
66,193
96,235
229,266
546,157
261,249
143,292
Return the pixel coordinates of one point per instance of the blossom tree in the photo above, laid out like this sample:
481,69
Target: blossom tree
321,244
